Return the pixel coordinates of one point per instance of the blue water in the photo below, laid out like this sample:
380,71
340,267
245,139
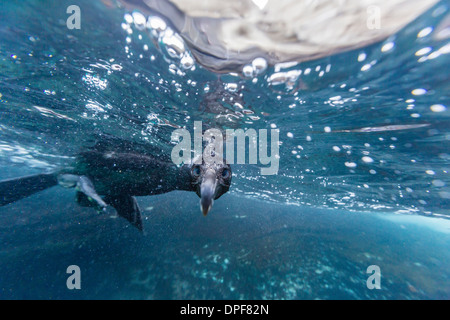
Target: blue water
363,176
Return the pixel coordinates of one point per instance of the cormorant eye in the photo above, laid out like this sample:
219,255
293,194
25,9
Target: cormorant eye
225,173
196,171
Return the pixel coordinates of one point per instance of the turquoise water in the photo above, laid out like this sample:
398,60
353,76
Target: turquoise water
363,177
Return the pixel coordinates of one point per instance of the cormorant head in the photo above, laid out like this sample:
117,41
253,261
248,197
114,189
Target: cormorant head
210,182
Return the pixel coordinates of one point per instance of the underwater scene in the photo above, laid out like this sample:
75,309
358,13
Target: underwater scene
340,192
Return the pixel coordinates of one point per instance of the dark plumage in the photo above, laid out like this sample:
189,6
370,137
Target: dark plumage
113,174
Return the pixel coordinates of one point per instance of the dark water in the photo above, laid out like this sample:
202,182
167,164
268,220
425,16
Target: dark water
245,249
363,176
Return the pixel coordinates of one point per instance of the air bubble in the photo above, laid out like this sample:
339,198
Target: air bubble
247,71
277,78
187,61
419,92
128,18
231,87
259,65
139,20
438,108
387,47
350,164
367,159
156,23
174,44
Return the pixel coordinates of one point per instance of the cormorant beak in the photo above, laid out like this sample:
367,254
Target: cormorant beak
208,191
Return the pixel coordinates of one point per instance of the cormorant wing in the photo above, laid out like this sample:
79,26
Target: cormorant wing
126,207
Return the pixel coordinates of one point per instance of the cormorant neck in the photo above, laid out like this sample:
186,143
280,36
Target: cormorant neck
184,178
